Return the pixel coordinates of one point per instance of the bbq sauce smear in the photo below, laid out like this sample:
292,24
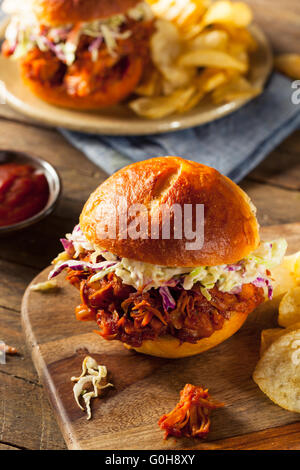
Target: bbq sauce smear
23,193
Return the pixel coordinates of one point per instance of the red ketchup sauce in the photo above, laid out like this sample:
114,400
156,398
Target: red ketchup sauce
23,192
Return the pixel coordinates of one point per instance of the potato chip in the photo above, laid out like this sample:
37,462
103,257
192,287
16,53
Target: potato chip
286,275
166,44
268,337
199,48
207,81
239,51
161,106
178,77
210,79
215,39
237,88
211,58
151,85
289,64
181,12
192,102
233,14
277,373
289,307
236,13
241,36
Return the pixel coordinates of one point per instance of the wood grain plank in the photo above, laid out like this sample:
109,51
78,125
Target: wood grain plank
23,406
46,143
42,241
126,417
274,205
7,447
11,333
282,167
13,283
286,437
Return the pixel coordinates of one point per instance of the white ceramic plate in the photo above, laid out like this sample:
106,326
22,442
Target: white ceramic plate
120,120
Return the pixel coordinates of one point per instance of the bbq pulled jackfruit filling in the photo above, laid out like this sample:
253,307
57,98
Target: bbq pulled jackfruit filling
132,301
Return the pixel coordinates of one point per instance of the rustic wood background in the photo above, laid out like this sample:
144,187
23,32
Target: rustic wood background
26,419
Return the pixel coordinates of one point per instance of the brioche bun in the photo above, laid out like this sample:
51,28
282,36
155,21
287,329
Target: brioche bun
171,348
59,12
115,92
231,230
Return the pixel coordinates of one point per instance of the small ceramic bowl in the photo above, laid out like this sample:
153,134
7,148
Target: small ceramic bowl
8,156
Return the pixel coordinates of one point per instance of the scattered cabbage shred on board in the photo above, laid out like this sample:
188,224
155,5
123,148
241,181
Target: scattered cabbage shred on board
92,374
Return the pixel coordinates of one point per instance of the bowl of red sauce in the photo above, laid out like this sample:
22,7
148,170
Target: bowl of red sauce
29,190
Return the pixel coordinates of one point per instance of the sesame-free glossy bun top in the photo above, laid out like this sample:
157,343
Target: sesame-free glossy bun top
231,230
57,12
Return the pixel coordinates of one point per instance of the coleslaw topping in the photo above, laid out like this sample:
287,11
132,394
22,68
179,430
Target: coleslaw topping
254,268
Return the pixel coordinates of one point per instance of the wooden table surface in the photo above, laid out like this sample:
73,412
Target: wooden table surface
26,419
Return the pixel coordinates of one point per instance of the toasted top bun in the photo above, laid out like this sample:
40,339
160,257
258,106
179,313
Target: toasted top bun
231,230
57,12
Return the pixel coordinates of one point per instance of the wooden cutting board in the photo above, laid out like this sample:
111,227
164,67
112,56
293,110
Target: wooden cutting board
147,387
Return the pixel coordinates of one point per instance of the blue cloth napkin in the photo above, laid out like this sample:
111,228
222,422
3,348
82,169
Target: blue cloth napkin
234,145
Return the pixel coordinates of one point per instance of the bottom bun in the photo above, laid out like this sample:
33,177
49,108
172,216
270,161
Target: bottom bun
171,348
114,92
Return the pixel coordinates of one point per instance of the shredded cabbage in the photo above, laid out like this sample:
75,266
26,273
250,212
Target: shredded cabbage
78,265
254,268
229,277
167,299
44,286
24,33
92,374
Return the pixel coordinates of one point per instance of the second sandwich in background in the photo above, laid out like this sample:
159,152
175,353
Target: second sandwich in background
83,55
